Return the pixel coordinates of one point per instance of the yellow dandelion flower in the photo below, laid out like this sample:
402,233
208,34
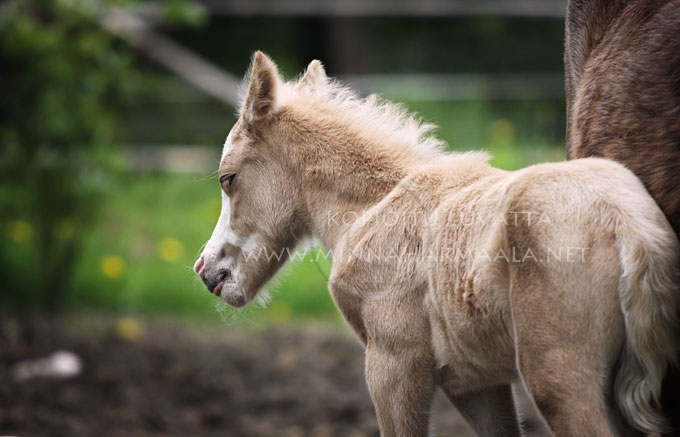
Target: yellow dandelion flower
170,249
128,328
112,266
19,231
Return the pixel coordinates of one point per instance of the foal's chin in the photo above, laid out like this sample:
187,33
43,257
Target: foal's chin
231,293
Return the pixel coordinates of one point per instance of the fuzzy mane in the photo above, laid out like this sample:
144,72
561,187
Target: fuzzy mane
371,114
389,120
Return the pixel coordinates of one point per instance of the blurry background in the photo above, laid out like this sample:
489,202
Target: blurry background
112,119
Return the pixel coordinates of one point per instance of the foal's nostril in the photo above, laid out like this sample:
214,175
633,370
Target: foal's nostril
224,275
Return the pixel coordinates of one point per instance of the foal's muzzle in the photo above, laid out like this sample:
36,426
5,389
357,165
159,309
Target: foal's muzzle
220,282
211,278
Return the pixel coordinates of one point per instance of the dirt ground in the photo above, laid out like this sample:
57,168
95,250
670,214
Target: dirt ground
181,379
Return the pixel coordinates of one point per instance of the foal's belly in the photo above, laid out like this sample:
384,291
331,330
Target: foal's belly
473,353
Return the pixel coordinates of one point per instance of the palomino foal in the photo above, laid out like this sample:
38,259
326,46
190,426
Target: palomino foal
453,274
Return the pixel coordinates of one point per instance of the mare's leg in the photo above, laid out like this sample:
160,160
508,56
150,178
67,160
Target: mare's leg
489,412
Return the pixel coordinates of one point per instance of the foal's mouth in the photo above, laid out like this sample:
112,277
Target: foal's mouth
218,289
224,285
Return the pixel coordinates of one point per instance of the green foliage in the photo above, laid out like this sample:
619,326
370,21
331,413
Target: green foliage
62,80
181,12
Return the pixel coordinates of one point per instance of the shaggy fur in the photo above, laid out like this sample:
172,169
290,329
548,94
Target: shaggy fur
622,64
452,273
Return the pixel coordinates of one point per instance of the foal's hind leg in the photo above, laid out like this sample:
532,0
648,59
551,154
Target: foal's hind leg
571,404
564,360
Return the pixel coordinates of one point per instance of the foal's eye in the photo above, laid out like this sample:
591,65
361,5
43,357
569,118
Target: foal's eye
227,180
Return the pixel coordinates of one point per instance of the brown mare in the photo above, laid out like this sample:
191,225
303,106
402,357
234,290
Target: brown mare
622,65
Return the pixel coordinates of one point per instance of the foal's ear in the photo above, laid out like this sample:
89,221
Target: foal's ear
260,100
314,78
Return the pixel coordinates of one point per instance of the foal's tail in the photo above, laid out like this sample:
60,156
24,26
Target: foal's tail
648,289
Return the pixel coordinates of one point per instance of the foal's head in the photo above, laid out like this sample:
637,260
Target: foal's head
261,218
312,134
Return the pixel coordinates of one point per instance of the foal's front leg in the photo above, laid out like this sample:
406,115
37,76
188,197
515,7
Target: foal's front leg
401,385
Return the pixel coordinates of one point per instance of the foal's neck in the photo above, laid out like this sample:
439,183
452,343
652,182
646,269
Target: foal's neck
343,173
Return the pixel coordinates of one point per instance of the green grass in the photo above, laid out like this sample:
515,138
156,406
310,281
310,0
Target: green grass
139,257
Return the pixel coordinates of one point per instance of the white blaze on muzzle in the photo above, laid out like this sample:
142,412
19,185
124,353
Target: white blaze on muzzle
223,234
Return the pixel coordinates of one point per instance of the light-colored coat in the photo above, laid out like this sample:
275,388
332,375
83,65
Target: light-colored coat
451,272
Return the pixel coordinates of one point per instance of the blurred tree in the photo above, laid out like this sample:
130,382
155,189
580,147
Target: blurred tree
63,80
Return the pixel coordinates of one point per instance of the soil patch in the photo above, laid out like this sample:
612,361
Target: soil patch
180,379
